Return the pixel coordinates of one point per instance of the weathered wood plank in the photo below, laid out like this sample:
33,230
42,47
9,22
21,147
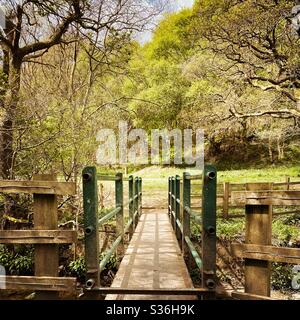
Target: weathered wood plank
153,261
37,236
270,253
38,187
248,296
258,231
226,195
45,218
268,197
38,283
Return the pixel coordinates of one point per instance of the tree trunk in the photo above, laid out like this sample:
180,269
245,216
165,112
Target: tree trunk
270,150
9,114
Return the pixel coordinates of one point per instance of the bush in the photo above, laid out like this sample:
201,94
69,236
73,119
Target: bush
77,268
284,232
282,275
17,262
230,228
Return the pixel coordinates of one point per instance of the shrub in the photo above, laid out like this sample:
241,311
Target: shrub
17,262
282,275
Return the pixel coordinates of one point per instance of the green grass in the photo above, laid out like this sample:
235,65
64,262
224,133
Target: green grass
269,174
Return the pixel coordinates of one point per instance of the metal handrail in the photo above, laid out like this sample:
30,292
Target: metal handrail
92,223
109,216
194,252
110,252
180,199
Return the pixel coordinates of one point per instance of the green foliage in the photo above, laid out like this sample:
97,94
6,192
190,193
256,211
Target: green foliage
17,262
172,39
195,231
77,268
230,228
112,262
284,232
282,275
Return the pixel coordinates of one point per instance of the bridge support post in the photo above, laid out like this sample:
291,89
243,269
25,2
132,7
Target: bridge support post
90,207
173,203
177,210
120,215
169,198
209,200
131,206
136,201
186,224
140,197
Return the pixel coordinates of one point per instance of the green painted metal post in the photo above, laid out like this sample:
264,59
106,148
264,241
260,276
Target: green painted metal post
177,209
136,193
209,201
90,207
140,195
186,223
169,197
131,205
120,215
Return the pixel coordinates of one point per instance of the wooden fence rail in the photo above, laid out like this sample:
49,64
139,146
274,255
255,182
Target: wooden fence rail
229,198
258,251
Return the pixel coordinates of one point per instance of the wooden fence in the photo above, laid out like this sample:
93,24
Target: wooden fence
225,201
45,236
257,251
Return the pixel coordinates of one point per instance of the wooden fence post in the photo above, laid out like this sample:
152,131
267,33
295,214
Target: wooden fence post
288,180
90,207
101,196
209,201
120,215
131,206
45,218
259,232
186,224
225,199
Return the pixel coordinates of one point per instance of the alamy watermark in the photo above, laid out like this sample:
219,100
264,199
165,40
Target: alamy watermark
2,277
138,147
296,18
2,18
296,278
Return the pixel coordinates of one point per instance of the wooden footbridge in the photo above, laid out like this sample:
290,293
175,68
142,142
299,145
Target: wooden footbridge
155,247
153,266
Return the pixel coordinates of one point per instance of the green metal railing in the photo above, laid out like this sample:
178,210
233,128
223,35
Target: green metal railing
92,222
181,213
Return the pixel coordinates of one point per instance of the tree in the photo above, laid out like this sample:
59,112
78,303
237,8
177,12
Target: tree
33,27
262,50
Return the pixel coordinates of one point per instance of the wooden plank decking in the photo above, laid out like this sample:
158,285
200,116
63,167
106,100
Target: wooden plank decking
153,260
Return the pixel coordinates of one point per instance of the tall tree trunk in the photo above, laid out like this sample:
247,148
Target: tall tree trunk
7,126
270,150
